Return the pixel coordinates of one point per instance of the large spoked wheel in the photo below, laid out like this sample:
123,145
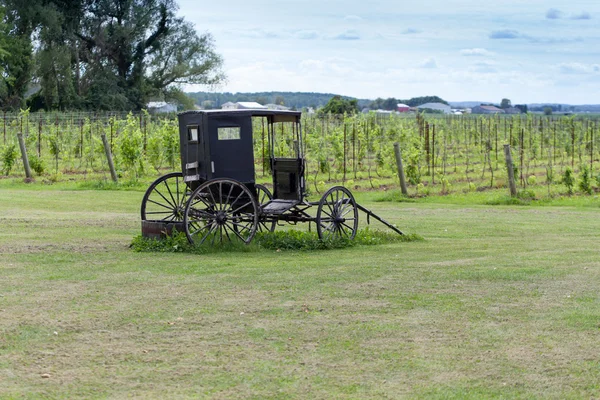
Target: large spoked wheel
221,210
165,199
263,197
337,215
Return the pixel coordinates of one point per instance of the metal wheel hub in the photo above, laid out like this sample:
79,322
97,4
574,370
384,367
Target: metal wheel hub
221,218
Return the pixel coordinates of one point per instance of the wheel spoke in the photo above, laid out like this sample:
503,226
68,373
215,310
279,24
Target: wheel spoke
164,198
175,203
160,204
240,208
234,201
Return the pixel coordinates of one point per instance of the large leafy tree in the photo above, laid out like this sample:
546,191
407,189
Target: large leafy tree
340,105
102,54
144,50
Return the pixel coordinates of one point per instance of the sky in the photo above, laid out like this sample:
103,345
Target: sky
529,51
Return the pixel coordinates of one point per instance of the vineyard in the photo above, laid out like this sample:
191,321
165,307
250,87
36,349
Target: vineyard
441,154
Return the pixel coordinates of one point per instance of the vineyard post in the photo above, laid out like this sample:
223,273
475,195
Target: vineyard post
572,144
427,148
433,154
24,155
39,143
510,170
111,122
522,156
354,147
145,133
591,150
263,146
344,177
398,154
111,165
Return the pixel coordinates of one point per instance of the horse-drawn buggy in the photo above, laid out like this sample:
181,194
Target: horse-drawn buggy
215,197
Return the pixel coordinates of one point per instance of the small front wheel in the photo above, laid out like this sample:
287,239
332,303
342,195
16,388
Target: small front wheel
337,215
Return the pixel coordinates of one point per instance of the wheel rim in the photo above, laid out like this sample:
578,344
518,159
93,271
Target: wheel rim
337,215
165,199
263,197
221,210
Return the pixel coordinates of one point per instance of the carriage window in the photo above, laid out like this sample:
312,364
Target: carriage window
192,133
229,133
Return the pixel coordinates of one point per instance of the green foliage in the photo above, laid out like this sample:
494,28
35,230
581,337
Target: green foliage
568,180
37,164
130,144
585,180
339,105
9,157
101,54
280,241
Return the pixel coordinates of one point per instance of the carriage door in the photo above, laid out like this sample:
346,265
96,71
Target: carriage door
231,151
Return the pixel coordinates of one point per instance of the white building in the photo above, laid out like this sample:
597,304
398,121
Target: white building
243,105
446,109
155,107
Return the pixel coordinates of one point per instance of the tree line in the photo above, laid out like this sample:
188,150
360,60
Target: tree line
99,54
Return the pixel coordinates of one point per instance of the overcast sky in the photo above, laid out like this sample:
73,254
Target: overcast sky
526,50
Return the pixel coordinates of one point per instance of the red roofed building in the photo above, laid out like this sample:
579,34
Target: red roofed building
402,108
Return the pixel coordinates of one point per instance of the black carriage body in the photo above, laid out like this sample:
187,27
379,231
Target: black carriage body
219,144
216,145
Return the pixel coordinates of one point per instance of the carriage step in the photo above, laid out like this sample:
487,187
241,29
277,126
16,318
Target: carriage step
279,206
191,178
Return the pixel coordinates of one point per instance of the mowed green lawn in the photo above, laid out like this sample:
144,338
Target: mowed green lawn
497,302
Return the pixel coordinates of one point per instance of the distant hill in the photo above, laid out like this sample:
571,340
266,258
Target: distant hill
556,107
296,100
299,100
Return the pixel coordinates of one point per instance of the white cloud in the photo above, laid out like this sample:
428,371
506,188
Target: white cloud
348,35
553,13
583,15
410,31
578,68
477,52
353,18
429,63
306,35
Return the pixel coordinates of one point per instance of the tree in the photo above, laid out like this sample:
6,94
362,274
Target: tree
547,110
339,105
505,103
522,107
101,54
280,100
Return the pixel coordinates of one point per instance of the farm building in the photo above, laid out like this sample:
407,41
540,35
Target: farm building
242,105
486,110
272,106
512,110
446,109
156,107
402,108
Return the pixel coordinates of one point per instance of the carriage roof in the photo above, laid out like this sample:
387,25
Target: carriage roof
273,115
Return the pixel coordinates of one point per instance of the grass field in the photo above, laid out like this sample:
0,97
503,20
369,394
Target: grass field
496,302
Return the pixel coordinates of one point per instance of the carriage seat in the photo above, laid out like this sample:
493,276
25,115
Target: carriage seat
287,173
